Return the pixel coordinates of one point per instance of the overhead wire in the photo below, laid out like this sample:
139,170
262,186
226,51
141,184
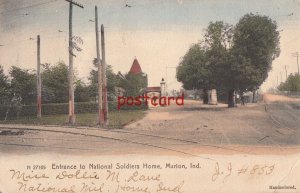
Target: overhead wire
26,7
78,23
20,17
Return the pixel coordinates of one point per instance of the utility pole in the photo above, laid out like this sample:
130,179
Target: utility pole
100,103
104,80
285,72
71,73
38,79
297,54
280,77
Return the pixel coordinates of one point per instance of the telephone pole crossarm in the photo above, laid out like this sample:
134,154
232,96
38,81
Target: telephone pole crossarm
75,3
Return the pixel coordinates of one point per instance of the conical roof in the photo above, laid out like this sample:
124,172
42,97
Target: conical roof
135,68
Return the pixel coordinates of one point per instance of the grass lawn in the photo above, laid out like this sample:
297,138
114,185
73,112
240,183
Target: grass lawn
117,119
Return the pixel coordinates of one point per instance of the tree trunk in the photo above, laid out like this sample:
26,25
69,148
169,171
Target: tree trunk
205,96
242,98
253,97
231,99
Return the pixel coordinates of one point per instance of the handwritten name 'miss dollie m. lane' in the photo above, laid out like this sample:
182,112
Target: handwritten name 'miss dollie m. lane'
92,182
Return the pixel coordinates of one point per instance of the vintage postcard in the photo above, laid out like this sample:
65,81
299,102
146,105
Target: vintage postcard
149,96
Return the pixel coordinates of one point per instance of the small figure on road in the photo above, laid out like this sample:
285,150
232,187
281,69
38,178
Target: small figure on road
242,99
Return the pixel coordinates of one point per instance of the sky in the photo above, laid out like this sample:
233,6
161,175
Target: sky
157,32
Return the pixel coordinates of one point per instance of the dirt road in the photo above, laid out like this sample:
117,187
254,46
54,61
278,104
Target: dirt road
269,127
264,124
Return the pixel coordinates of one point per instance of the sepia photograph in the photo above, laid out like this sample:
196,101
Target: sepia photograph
149,96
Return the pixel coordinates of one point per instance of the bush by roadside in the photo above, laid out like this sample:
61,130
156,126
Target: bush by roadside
62,108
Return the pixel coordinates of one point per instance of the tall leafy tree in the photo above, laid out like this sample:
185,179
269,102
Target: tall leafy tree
134,84
203,64
235,59
81,92
255,46
23,84
55,88
292,84
5,91
193,70
218,35
218,40
112,81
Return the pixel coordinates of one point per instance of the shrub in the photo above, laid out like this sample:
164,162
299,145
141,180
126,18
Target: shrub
62,108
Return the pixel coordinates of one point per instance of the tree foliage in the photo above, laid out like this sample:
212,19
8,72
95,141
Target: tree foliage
55,87
81,92
292,84
218,35
203,63
134,84
5,91
112,81
231,58
193,69
255,46
23,84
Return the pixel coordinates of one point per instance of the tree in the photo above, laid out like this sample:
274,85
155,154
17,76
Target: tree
204,64
55,88
112,81
193,70
5,91
255,46
81,92
218,35
23,84
232,59
134,84
219,39
292,84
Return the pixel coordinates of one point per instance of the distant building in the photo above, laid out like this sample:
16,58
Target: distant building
153,91
135,68
163,87
136,83
137,78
